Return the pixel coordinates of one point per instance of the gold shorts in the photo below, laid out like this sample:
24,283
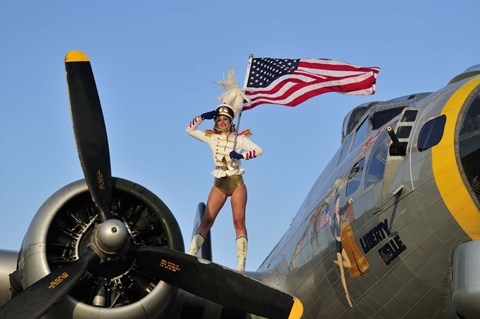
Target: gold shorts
228,184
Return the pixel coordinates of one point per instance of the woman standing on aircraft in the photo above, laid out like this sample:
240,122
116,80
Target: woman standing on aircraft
228,181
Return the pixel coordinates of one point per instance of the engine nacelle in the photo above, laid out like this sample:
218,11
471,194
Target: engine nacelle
60,233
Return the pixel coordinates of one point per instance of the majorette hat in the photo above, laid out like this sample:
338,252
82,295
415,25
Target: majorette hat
226,110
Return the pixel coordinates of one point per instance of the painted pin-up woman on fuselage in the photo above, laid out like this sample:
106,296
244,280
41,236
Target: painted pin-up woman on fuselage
228,180
342,260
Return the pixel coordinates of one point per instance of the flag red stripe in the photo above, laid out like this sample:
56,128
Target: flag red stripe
275,87
336,86
335,67
341,88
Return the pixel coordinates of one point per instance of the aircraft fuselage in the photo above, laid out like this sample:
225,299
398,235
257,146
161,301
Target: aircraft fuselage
395,208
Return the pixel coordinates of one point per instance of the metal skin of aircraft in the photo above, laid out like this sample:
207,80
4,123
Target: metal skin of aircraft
390,229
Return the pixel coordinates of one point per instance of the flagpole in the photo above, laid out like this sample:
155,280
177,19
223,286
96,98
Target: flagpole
245,83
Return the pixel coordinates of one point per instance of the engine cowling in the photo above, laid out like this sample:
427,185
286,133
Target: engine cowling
60,233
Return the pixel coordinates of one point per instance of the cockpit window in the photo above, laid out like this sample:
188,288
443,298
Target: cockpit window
409,116
352,119
354,177
360,134
378,158
404,131
345,148
431,133
380,118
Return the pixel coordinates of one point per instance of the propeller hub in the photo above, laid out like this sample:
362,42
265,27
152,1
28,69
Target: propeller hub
112,235
110,240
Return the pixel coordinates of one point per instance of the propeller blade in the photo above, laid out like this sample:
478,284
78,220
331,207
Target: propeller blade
216,283
37,299
89,129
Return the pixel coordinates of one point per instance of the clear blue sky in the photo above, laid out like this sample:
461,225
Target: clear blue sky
155,64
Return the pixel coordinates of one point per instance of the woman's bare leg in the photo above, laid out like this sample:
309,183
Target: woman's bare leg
339,262
215,202
239,204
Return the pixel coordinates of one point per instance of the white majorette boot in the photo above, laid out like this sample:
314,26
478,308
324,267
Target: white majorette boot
197,242
242,242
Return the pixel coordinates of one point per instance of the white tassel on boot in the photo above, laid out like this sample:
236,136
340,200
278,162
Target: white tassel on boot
242,242
197,242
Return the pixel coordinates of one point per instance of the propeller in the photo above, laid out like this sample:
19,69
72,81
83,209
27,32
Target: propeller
35,301
89,129
217,283
111,239
92,145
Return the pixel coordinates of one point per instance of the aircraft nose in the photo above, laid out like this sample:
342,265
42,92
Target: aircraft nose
469,144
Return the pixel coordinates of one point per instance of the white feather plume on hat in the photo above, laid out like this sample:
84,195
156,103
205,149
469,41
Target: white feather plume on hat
233,96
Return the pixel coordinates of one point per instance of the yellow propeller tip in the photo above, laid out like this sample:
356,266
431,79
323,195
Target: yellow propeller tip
297,309
76,56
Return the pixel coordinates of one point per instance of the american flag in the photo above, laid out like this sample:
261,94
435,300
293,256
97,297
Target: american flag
292,81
